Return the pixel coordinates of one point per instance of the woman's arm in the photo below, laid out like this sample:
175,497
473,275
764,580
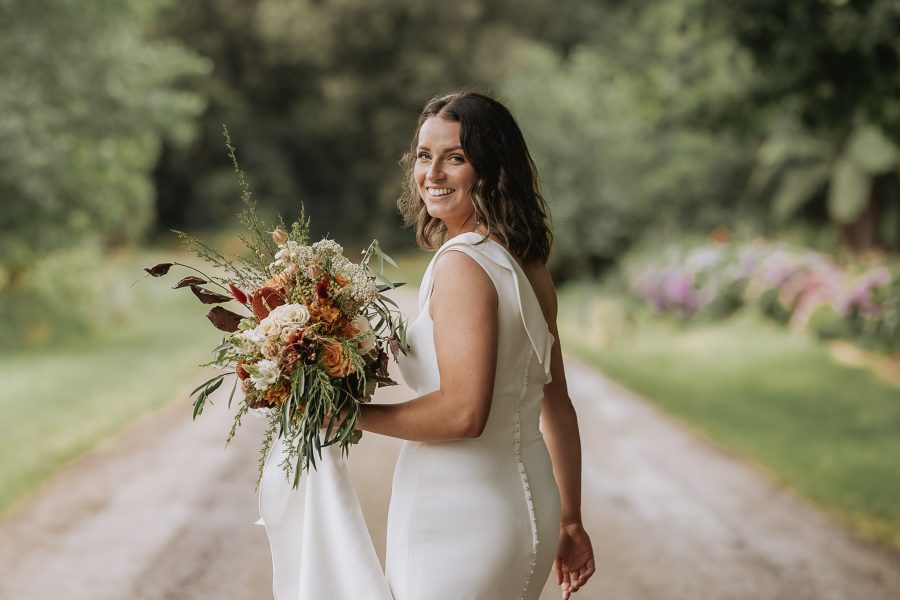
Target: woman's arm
559,423
463,308
574,562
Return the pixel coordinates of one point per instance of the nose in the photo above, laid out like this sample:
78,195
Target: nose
434,171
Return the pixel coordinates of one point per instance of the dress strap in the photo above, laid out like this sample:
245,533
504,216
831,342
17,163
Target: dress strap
487,252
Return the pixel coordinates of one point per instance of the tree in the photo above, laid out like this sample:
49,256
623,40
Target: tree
828,91
609,128
322,97
86,98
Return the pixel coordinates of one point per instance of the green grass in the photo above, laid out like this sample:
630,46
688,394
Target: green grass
63,399
830,432
60,401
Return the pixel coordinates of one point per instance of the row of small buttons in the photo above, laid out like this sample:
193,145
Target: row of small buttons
517,445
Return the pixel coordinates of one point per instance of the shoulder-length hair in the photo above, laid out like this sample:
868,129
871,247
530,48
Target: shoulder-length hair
506,193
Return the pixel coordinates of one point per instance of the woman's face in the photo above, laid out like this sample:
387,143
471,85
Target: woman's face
443,173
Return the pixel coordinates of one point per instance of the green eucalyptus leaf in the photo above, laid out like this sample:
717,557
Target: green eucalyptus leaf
233,388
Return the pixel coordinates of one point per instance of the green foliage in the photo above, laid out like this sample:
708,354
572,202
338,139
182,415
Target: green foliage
708,282
609,129
323,98
827,80
830,61
85,99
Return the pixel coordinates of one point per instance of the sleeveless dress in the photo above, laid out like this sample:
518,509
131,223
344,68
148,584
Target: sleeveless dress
478,519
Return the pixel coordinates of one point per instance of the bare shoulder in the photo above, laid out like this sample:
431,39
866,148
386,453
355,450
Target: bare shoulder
539,276
459,277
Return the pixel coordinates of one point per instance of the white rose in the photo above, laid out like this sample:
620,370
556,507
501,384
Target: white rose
269,327
288,331
289,314
367,341
298,314
270,349
264,373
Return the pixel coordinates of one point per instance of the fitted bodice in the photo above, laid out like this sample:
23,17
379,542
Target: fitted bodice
524,341
478,518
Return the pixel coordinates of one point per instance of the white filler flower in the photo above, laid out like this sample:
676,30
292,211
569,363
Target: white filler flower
264,373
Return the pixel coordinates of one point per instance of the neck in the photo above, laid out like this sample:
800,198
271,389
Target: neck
465,227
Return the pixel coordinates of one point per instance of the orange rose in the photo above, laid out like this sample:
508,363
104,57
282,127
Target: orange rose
347,330
341,280
275,396
336,363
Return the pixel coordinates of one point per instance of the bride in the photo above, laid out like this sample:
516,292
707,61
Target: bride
486,495
482,503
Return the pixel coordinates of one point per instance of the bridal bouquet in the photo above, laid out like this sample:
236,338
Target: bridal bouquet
306,350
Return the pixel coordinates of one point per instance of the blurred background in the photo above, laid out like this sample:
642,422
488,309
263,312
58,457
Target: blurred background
722,177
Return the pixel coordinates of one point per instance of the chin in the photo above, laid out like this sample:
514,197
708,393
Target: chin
435,212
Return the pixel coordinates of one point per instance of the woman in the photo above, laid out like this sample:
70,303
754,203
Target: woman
482,505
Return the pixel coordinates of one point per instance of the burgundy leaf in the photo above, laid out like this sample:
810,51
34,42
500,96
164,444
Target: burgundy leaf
160,269
224,319
189,280
382,370
394,345
208,297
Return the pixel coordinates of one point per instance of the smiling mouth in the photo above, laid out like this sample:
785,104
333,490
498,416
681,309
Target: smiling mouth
438,192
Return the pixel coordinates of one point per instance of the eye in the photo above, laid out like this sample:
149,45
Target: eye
422,155
457,159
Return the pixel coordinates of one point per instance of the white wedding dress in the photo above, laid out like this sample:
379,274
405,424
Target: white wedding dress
470,519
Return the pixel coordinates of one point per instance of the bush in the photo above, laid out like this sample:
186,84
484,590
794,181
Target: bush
798,287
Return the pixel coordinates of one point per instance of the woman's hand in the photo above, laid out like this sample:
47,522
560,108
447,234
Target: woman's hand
337,419
574,562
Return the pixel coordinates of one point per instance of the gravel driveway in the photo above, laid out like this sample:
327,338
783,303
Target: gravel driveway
162,512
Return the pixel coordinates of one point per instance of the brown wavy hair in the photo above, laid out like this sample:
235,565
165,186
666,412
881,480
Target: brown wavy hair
506,193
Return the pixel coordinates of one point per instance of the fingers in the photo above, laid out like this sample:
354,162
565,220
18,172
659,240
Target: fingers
566,592
558,570
573,581
586,572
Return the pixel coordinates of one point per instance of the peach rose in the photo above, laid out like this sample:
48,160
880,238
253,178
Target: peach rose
336,363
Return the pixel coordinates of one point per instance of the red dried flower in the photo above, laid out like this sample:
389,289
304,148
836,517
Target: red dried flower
265,300
237,293
322,288
241,371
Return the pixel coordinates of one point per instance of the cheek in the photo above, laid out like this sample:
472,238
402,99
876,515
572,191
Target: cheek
468,179
419,174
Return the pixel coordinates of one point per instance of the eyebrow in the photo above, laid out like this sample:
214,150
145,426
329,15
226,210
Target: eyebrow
420,147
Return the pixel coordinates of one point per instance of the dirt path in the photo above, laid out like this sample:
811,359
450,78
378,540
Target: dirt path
162,512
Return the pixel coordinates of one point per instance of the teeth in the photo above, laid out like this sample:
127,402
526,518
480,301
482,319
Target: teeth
439,191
